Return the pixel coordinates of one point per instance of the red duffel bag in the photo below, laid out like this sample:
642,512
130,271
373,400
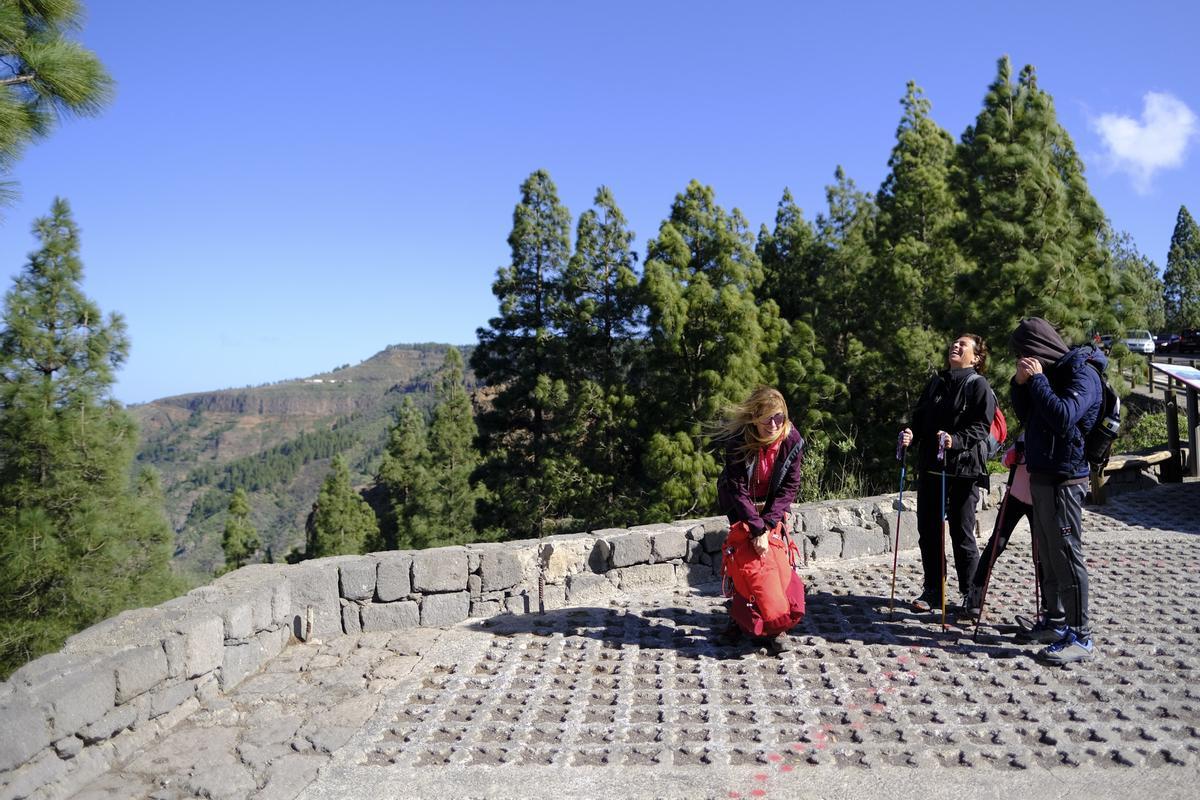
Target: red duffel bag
766,594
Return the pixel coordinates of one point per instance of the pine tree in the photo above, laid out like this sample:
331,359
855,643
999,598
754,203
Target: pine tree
404,476
343,522
44,75
706,339
448,504
78,542
527,468
1132,285
916,255
240,541
844,232
791,259
1032,228
1181,279
914,312
599,318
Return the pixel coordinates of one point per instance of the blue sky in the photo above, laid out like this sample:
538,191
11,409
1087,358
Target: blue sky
283,186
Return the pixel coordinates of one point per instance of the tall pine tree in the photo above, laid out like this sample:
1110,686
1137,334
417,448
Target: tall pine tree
915,312
1032,229
707,335
527,467
791,259
1181,279
600,318
78,542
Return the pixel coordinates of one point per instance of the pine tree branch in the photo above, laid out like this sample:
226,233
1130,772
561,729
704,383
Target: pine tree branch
27,77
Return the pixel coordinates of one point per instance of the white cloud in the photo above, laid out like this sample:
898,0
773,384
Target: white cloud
1157,141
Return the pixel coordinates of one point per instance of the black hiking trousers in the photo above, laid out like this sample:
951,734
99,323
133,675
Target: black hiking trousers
962,495
1014,511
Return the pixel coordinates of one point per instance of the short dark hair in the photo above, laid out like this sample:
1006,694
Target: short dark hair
981,350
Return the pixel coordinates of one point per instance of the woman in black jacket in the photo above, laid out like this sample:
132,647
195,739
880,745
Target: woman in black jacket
953,418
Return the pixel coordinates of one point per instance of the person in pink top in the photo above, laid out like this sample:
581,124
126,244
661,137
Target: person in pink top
1018,505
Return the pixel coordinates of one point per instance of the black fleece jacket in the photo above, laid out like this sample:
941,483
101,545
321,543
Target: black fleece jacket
961,406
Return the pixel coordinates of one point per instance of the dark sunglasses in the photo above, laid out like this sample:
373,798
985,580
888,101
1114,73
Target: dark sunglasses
777,419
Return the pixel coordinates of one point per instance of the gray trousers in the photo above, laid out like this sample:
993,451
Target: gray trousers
1057,522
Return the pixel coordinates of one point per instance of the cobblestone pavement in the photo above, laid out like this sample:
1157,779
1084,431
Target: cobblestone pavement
637,700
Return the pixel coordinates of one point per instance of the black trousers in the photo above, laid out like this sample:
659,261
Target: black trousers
961,496
1014,511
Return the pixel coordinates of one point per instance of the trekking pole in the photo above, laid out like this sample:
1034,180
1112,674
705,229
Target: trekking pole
1037,575
945,525
901,451
996,546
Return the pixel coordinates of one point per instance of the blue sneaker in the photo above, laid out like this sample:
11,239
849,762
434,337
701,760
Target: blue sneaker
1069,649
1045,632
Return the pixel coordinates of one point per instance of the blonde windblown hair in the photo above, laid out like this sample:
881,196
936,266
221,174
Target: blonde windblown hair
738,423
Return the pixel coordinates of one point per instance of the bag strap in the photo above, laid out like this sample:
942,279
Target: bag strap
782,470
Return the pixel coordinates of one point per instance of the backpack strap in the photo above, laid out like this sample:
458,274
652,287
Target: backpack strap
781,470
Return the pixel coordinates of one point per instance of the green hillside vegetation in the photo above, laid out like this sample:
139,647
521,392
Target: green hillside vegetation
275,442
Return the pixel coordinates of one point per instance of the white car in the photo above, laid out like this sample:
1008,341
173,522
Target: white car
1140,342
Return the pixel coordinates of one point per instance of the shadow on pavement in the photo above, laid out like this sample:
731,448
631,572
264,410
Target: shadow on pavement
693,632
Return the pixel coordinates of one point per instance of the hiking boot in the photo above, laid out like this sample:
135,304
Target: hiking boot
1025,624
729,636
780,644
1069,649
925,602
1043,631
969,605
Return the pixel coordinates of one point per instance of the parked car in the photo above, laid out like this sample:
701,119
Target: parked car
1139,341
1189,342
1163,342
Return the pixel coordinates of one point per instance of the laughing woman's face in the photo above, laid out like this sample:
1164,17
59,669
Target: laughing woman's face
962,352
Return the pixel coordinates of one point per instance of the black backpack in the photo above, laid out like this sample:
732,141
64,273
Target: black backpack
1098,442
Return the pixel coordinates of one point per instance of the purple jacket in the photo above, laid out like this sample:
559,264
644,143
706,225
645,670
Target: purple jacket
733,486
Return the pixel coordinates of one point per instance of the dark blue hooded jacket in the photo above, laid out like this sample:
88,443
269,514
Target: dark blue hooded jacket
1058,408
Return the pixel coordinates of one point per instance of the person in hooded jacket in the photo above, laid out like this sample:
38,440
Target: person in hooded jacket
1058,395
953,418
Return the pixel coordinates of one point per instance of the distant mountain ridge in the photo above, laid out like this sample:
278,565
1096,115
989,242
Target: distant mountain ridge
276,441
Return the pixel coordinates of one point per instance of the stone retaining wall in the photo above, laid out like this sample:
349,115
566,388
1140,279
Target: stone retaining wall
69,716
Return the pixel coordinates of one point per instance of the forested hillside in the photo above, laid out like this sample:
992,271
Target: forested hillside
276,442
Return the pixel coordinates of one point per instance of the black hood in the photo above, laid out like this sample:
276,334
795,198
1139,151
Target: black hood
1036,337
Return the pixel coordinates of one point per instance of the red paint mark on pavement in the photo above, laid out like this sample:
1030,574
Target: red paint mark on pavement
775,757
786,768
761,777
759,793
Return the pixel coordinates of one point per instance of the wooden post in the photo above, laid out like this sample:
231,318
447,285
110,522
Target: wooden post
1175,473
1193,423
